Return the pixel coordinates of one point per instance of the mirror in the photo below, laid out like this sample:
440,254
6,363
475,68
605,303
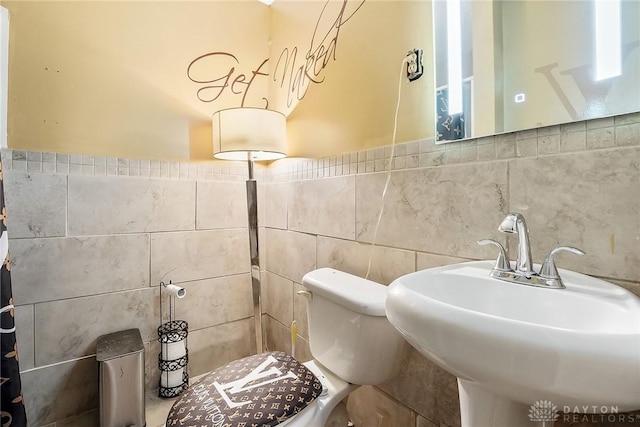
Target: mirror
505,66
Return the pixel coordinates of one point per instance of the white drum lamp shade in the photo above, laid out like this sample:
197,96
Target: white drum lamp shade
249,134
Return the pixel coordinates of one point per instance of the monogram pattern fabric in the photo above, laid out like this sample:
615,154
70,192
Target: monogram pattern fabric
256,391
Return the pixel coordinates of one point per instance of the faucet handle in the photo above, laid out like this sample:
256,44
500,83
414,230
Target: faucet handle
548,269
502,263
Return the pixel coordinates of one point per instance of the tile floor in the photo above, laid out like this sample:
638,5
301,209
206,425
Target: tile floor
156,414
156,410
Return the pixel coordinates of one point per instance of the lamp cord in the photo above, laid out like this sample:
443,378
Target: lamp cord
389,164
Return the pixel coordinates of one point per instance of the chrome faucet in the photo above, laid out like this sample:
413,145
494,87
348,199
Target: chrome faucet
512,224
548,277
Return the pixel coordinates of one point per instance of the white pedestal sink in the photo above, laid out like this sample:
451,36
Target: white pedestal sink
520,352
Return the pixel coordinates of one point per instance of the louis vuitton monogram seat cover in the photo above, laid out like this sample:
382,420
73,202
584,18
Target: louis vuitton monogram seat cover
256,391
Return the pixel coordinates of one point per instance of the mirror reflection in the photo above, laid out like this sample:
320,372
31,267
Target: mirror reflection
504,66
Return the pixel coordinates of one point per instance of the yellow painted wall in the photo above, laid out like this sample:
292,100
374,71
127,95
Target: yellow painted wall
353,108
110,78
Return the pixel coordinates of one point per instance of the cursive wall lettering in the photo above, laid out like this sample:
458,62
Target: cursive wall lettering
296,78
294,73
237,84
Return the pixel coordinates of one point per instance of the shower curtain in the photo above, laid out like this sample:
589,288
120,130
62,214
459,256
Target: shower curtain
12,410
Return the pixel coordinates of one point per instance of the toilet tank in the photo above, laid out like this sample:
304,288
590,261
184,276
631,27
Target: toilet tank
348,328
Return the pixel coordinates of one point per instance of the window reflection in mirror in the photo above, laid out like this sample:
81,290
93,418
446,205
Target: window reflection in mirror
531,63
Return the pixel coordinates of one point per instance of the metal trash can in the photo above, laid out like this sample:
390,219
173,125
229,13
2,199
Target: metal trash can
120,357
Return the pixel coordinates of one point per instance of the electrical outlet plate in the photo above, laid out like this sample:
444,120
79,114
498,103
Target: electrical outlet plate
414,64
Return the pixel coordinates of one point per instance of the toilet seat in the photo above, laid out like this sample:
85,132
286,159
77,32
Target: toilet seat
261,390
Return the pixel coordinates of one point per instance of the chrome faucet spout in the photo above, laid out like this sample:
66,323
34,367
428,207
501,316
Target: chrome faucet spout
549,277
514,223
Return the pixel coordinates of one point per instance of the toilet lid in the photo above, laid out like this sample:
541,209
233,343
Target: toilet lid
256,391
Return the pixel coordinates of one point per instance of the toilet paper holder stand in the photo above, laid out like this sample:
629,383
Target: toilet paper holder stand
174,354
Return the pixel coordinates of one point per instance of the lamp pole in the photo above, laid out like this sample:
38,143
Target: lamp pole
253,134
252,210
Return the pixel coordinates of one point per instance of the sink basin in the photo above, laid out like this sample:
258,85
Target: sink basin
512,345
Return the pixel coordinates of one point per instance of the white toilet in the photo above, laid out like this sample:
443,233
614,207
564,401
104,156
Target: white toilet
352,344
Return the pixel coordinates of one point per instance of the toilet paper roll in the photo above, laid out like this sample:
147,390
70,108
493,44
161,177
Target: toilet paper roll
171,379
174,350
176,291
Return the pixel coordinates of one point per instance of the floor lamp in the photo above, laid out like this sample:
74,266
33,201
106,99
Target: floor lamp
250,134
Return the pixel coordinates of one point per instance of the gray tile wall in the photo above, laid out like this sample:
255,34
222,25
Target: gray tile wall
576,184
91,238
